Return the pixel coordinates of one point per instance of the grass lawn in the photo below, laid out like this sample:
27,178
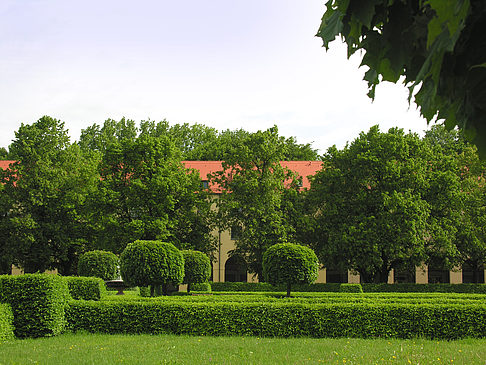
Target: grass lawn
170,349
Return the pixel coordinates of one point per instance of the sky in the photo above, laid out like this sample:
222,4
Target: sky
232,64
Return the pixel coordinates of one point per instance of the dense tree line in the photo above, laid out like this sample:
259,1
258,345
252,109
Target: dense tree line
387,200
119,183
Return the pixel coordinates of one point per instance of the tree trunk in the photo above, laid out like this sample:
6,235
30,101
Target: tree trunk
288,290
188,287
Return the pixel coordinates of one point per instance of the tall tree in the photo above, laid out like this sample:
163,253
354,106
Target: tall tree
377,205
145,193
44,216
253,185
437,45
470,237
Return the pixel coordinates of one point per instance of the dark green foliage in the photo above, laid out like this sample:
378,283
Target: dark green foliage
43,211
424,288
145,192
367,288
375,200
197,268
86,288
6,322
144,291
288,263
153,263
281,319
205,286
101,264
351,288
37,301
438,45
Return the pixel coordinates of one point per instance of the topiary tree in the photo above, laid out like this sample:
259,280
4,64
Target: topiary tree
197,268
288,263
100,264
154,263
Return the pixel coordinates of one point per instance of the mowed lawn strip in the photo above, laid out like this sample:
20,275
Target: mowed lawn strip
170,349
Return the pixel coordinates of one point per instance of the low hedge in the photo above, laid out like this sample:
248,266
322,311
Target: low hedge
350,288
264,287
424,288
6,322
280,319
86,288
37,301
367,287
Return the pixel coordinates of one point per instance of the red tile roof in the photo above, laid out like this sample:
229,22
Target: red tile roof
5,163
302,168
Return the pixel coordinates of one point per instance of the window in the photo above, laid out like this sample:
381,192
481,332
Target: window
205,184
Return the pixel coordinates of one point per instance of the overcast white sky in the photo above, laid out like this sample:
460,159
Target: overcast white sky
227,64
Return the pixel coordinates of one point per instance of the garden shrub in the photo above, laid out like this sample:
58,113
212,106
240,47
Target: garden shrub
424,288
86,288
37,301
266,287
206,286
351,288
153,263
197,268
280,319
6,322
100,264
288,263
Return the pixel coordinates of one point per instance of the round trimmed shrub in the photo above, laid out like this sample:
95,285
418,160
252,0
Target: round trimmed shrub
206,286
288,263
197,268
153,263
100,264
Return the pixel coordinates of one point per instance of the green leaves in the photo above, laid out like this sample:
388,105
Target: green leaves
434,43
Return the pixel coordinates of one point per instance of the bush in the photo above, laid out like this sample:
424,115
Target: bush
85,288
206,286
282,319
351,288
153,263
197,268
6,322
37,302
100,264
288,263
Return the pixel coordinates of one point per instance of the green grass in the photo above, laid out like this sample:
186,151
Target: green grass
170,349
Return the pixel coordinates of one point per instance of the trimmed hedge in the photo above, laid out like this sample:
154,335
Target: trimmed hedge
100,264
367,288
6,322
289,264
154,263
266,287
85,288
37,301
197,268
351,288
206,286
283,319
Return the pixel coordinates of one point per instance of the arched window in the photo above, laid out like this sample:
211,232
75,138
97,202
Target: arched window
235,269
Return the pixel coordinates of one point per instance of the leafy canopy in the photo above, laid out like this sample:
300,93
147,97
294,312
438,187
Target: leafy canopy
438,46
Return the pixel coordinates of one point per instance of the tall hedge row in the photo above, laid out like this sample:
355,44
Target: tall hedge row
6,322
280,319
38,302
